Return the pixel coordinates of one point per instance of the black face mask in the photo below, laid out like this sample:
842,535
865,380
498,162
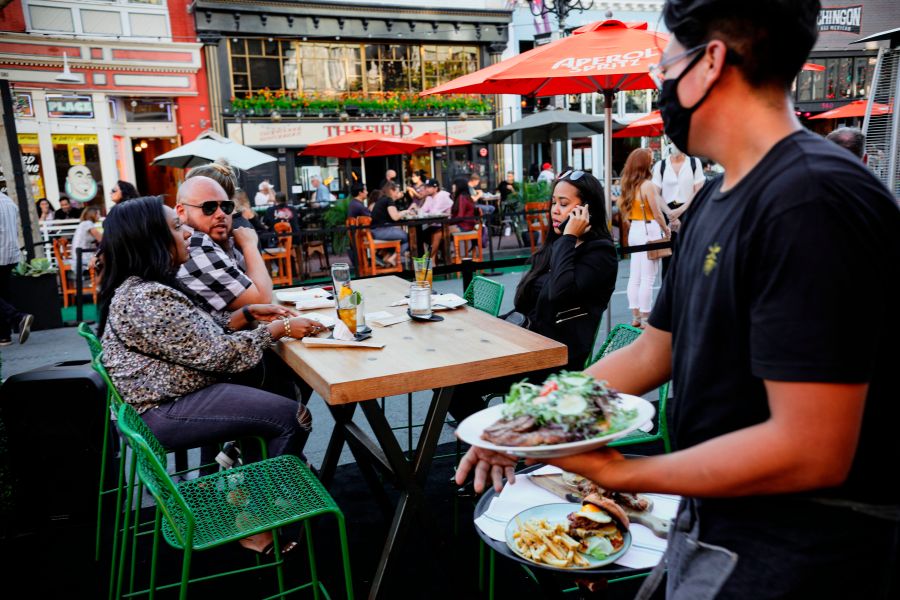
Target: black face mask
677,118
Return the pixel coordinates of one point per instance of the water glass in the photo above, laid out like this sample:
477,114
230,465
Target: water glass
340,276
420,299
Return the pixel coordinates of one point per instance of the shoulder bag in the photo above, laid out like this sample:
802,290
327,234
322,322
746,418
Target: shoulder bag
661,252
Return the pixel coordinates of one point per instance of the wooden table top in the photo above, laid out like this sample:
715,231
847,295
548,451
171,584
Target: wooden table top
468,345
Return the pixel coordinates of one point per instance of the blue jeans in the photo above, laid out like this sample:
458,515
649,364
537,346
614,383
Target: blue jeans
392,233
228,411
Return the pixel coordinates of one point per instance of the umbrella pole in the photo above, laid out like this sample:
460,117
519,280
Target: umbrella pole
607,188
362,163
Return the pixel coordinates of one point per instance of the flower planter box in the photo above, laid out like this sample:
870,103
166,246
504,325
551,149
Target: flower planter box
39,296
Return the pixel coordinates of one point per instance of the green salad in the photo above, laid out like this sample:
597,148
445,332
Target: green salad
573,402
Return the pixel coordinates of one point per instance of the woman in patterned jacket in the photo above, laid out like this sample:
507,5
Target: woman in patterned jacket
180,367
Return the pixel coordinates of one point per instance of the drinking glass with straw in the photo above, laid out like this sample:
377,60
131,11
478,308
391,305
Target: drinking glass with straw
422,268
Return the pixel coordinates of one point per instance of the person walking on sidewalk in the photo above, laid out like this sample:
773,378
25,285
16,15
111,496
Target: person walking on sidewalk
9,257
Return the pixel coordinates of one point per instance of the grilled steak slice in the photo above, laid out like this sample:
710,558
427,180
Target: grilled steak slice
522,431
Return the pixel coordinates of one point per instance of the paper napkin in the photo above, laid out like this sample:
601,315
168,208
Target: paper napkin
342,332
314,303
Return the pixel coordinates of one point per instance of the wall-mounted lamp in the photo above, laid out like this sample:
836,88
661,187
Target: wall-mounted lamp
66,76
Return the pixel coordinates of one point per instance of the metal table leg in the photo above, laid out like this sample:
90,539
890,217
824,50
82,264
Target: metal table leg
410,477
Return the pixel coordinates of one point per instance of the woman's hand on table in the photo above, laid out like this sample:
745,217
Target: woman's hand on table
269,312
484,462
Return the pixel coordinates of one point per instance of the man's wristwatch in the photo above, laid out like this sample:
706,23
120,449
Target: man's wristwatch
248,315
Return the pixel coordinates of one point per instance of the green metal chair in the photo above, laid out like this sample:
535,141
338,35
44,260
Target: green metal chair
620,336
230,505
485,294
94,345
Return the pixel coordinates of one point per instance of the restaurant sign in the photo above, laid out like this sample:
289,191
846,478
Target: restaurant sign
840,18
70,107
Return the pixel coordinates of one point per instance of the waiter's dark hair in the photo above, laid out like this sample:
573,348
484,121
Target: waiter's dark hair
769,39
136,241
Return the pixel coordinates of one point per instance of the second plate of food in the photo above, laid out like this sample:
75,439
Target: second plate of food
543,535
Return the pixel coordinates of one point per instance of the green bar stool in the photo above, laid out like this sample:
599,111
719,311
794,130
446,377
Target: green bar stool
227,506
620,336
485,294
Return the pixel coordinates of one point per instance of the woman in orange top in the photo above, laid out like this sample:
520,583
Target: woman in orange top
638,204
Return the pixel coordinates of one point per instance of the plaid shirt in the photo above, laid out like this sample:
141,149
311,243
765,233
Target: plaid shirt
214,275
9,231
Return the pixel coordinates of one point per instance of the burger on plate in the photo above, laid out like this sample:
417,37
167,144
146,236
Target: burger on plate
599,525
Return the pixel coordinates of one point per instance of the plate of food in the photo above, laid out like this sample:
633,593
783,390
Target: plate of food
571,413
571,536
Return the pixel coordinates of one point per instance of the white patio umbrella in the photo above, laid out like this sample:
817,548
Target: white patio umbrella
210,146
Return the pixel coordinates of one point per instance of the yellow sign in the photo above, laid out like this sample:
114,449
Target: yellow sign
28,138
76,154
73,138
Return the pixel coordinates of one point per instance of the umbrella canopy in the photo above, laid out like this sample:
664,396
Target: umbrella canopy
857,108
812,67
210,146
647,126
433,139
548,126
360,144
607,56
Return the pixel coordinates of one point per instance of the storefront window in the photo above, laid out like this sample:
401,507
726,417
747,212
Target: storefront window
335,68
443,63
804,83
326,67
392,68
257,64
147,110
845,78
78,167
31,156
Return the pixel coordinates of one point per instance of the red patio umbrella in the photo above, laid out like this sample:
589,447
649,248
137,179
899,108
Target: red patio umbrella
812,67
647,126
360,144
857,108
607,56
433,139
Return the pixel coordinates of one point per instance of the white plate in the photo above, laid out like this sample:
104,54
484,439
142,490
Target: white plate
470,431
559,513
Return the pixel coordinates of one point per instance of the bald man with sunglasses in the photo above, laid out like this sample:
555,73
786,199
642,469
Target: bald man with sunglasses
225,270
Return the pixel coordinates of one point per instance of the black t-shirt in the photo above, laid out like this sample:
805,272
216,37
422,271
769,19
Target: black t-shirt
505,189
789,276
380,216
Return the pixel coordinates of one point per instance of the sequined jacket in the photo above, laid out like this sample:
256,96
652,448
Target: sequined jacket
159,346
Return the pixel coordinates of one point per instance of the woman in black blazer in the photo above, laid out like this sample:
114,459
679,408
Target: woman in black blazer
567,288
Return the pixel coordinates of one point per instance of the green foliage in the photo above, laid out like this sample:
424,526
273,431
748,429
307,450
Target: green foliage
336,216
264,102
527,191
34,268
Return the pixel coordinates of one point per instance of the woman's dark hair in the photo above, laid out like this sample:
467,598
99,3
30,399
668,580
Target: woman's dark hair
129,192
590,192
460,188
136,241
40,201
374,196
389,187
768,40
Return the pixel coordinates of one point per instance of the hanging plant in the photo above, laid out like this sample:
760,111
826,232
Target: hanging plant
265,101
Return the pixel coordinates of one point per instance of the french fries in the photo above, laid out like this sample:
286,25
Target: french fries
549,544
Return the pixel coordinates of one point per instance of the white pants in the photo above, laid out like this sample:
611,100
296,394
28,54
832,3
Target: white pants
643,271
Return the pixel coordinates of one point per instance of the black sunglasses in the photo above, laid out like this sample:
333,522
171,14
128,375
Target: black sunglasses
572,175
210,207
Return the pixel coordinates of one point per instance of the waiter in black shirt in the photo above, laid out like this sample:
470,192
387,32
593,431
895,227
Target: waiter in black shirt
784,410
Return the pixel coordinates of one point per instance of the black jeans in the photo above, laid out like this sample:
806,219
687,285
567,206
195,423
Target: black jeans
228,411
9,314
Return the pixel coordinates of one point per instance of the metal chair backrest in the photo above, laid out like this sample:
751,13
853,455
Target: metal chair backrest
485,294
114,397
620,336
151,467
93,342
